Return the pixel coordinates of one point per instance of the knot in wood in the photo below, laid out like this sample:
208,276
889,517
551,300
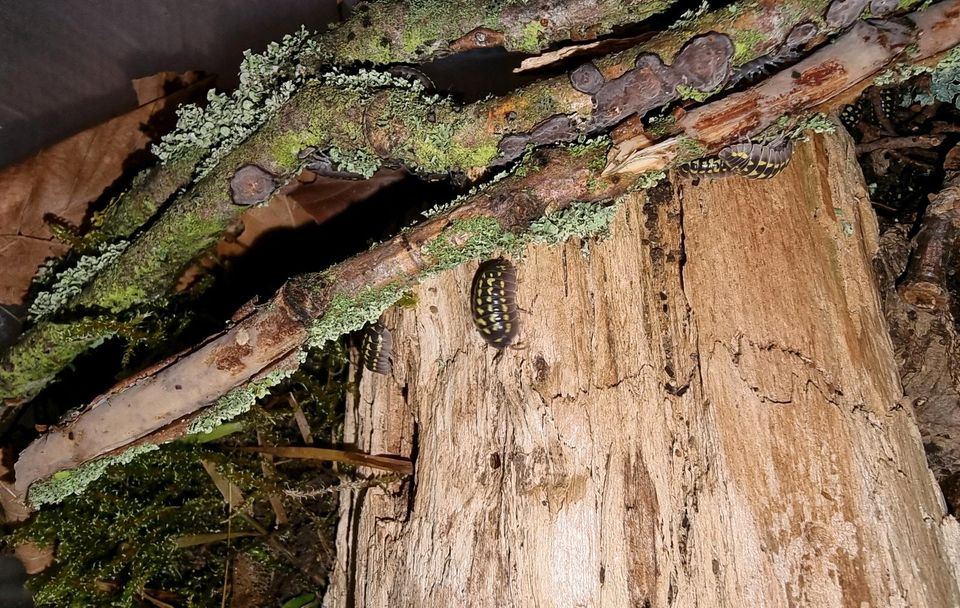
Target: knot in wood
251,185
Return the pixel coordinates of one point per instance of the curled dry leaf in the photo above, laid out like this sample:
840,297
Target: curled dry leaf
66,178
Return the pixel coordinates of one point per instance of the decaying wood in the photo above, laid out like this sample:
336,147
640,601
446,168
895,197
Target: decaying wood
826,74
922,318
706,413
176,390
431,138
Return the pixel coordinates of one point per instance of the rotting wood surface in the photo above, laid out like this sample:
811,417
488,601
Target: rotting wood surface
706,412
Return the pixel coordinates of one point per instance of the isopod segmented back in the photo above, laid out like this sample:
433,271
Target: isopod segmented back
493,302
377,348
708,166
757,161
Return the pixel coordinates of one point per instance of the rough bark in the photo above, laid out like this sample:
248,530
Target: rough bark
432,137
706,413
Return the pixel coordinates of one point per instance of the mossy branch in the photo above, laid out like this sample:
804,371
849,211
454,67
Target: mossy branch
313,308
413,32
355,123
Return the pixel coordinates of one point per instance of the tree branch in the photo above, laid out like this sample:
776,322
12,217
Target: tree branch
356,127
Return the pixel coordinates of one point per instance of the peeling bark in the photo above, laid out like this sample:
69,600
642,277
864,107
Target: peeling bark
826,74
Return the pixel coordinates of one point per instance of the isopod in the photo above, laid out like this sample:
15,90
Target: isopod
493,302
377,348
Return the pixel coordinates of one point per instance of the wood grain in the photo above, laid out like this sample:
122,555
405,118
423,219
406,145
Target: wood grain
707,413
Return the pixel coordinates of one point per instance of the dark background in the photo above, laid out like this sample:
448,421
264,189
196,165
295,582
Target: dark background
67,65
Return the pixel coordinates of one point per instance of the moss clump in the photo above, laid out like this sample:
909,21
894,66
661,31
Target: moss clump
117,539
745,44
533,37
45,350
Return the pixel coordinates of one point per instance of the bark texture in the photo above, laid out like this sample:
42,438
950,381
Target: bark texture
707,412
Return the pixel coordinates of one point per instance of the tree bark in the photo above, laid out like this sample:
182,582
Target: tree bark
706,412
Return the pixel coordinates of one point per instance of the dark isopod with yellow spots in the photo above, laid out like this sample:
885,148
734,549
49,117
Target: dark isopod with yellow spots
757,161
493,302
708,166
377,348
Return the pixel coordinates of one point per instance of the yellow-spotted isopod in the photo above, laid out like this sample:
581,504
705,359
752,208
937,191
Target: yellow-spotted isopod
493,302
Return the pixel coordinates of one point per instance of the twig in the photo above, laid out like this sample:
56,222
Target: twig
893,143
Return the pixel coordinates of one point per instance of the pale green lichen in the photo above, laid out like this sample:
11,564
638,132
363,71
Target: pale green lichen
237,401
945,81
581,219
690,17
70,282
67,483
346,314
469,239
648,180
267,81
901,72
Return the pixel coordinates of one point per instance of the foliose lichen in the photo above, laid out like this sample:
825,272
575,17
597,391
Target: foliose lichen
68,483
346,314
267,80
945,81
581,219
68,283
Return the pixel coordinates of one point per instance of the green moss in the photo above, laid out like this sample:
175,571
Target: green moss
533,38
660,126
121,531
686,92
689,149
745,44
45,350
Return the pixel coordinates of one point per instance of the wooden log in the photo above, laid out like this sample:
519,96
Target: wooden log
268,337
706,413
